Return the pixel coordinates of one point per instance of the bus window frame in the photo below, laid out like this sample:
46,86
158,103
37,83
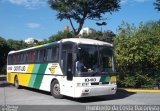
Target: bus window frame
57,53
73,51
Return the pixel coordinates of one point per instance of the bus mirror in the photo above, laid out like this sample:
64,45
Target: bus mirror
69,66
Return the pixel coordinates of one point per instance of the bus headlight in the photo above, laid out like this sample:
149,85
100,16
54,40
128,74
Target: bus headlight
113,82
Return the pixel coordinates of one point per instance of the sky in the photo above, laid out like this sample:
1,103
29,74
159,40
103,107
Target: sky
22,19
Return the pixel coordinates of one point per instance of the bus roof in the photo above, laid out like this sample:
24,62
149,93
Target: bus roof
74,40
86,41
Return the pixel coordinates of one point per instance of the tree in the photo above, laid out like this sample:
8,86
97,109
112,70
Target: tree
157,5
137,54
60,35
16,44
80,10
106,36
44,41
4,49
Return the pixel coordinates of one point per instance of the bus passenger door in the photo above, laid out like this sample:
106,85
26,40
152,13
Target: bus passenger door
67,87
69,67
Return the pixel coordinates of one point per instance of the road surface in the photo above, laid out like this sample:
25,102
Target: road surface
9,95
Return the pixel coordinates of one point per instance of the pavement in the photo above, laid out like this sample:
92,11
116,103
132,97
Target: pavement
27,96
27,99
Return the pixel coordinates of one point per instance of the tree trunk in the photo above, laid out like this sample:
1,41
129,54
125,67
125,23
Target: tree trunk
79,28
76,32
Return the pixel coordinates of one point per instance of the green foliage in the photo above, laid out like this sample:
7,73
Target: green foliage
61,35
80,10
44,41
129,81
157,5
137,52
4,49
16,44
94,35
144,80
97,35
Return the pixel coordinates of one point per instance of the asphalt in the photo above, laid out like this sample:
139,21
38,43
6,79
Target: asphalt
27,96
27,99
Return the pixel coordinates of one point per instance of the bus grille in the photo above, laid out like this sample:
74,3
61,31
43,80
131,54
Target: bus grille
98,83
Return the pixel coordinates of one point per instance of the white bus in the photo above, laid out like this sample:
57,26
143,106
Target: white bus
74,67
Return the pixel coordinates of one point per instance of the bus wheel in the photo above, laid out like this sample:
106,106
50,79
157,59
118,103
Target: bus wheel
16,83
55,89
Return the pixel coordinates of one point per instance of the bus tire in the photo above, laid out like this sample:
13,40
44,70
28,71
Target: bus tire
16,83
55,90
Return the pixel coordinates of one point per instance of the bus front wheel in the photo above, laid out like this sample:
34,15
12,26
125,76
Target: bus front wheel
55,89
16,83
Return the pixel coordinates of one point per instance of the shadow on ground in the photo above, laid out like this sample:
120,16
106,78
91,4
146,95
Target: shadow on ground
119,95
2,78
4,84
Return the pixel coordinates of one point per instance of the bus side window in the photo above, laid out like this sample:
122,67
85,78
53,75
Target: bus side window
52,54
24,58
29,57
21,58
55,53
33,56
41,55
15,58
37,56
49,54
10,59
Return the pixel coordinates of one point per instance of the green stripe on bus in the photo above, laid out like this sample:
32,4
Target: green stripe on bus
33,76
108,78
39,78
105,78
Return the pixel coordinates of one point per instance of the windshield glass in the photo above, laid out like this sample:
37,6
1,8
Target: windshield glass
106,59
94,59
87,60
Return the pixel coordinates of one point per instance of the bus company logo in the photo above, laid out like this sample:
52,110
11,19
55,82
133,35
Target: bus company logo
20,68
52,69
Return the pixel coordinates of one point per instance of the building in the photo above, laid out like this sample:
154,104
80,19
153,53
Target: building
85,30
30,41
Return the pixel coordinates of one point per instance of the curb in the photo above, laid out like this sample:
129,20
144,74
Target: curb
139,90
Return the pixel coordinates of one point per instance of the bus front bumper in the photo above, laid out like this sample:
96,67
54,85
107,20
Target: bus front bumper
95,90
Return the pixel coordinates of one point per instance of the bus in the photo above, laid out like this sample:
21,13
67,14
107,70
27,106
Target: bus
75,67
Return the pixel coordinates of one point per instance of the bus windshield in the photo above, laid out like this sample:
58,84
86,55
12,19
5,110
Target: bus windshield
94,59
106,59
